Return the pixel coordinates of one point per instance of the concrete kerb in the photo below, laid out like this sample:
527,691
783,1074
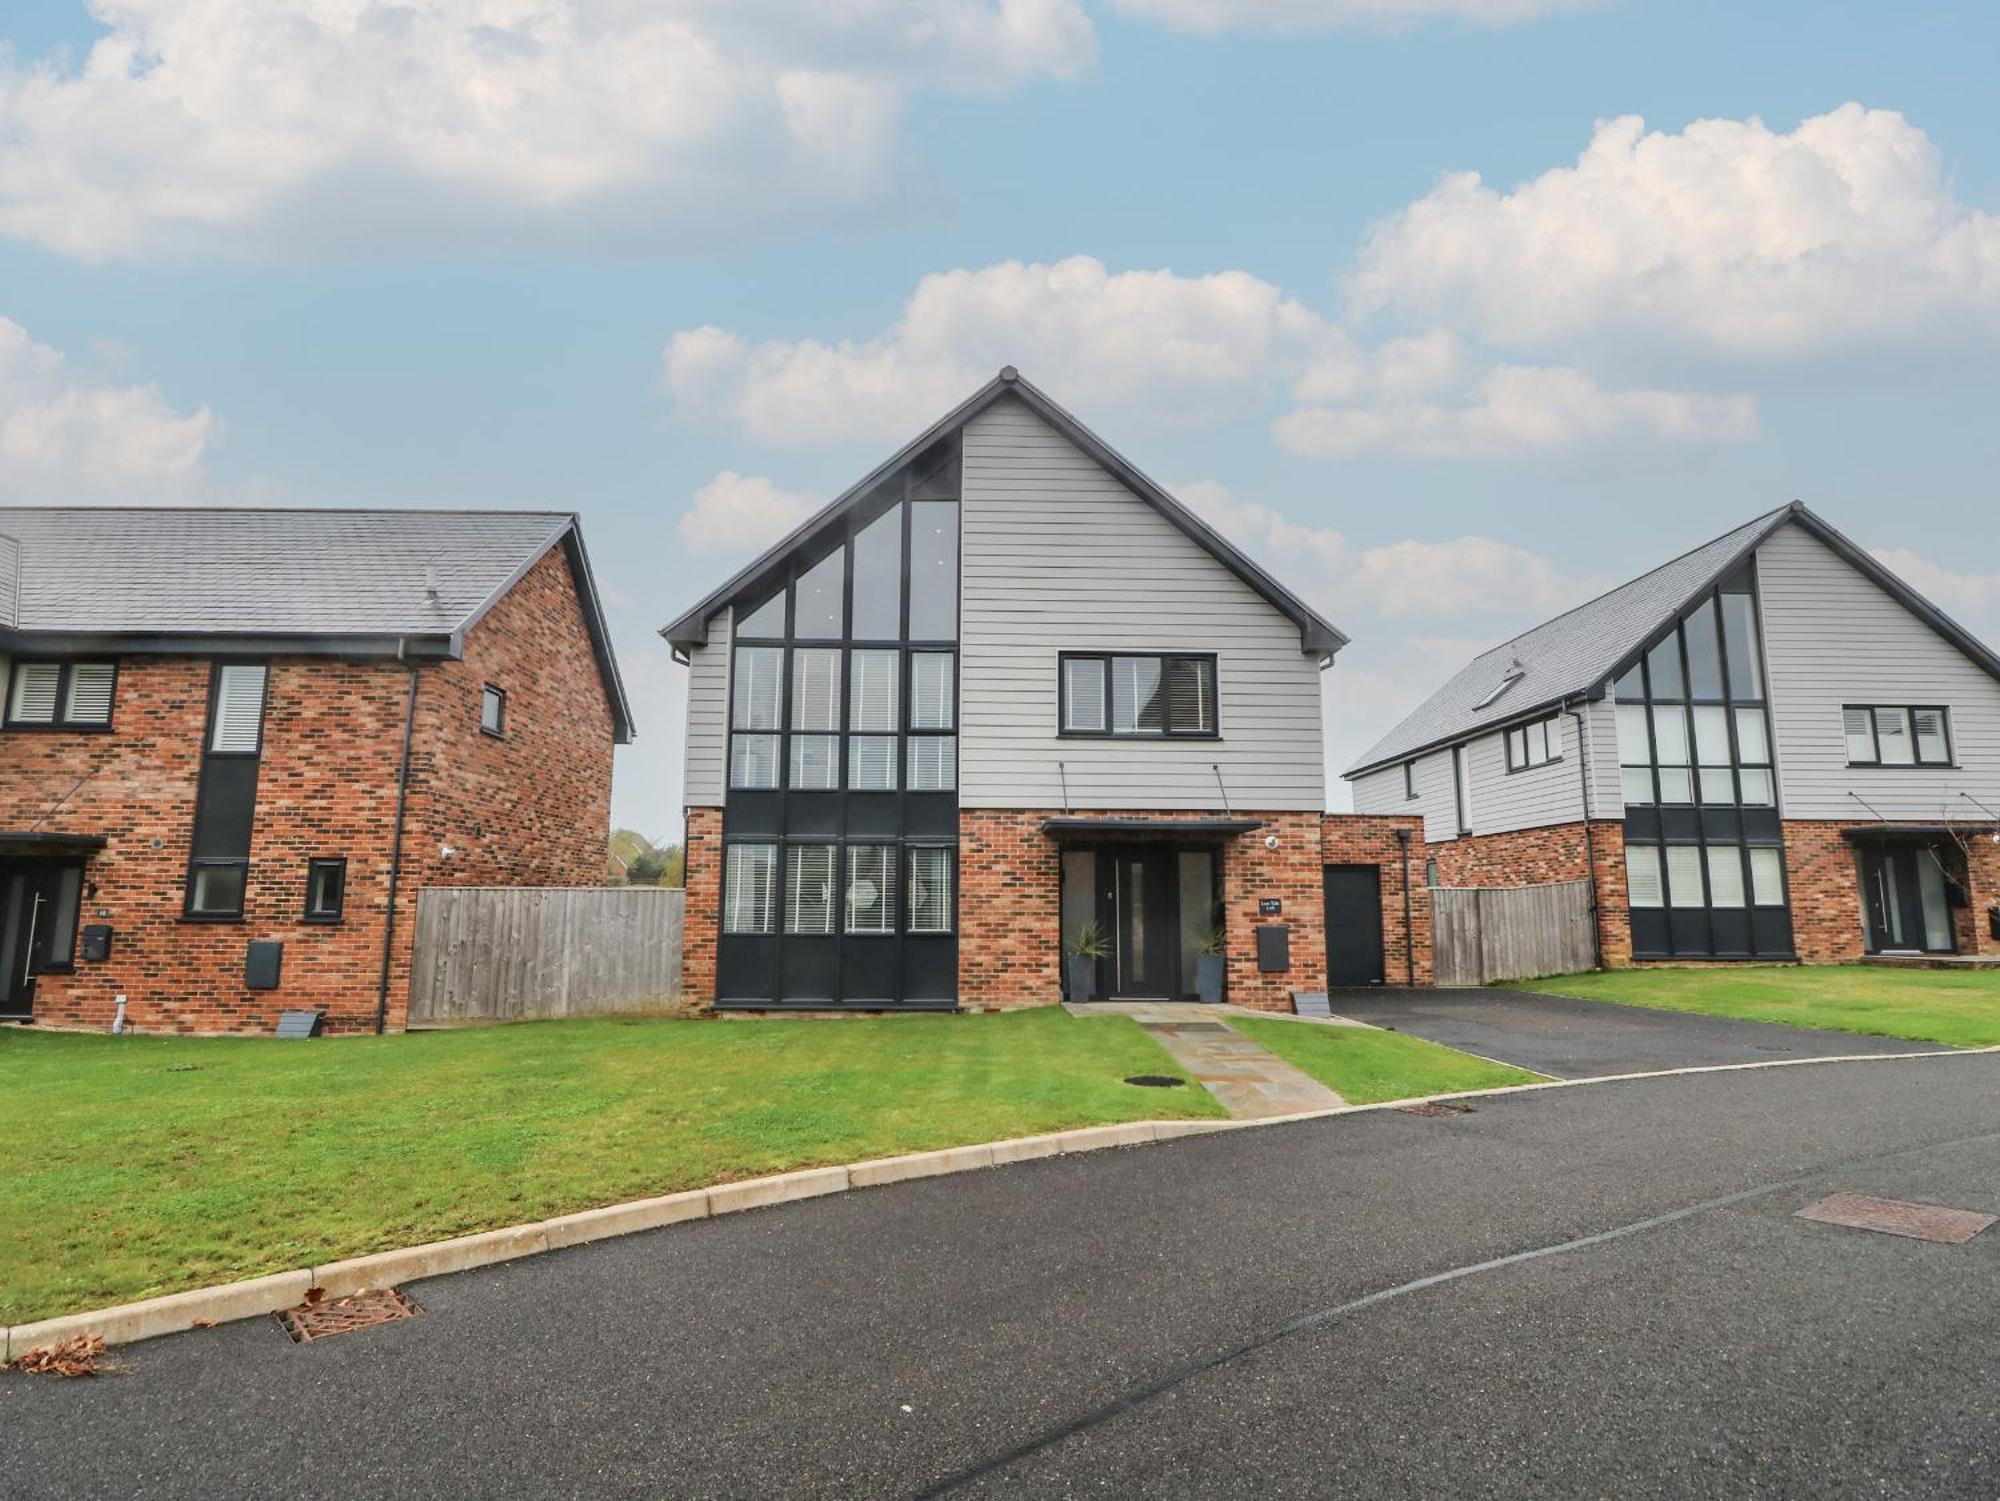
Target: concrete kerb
201,1307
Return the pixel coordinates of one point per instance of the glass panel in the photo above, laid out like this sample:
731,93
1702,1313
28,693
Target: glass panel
1083,695
33,700
930,890
1753,744
934,475
749,882
11,924
871,883
89,698
1859,726
218,889
1642,876
878,578
60,947
492,710
1711,735
1663,667
1079,895
1198,915
1892,734
933,763
817,598
815,762
1676,784
1767,877
816,688
1631,688
753,762
875,689
1758,791
930,691
1933,744
1670,736
1704,653
1634,748
1718,785
1135,696
324,887
1725,875
1684,876
768,619
1517,748
1937,911
755,705
1462,774
1739,633
239,708
1191,695
933,570
871,763
1637,784
809,888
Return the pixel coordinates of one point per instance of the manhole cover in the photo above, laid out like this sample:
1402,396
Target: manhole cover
1156,1081
311,1321
1439,1107
1954,1227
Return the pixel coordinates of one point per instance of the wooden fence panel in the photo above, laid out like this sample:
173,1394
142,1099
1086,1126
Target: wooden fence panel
511,953
1485,933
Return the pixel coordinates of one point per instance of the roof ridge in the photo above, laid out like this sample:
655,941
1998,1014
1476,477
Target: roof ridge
122,508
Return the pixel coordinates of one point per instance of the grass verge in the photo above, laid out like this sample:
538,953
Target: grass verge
1959,1008
1364,1065
145,1165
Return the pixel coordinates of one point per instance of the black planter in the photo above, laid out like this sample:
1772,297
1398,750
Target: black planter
1081,972
1208,977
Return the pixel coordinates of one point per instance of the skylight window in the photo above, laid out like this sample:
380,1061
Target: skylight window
1515,672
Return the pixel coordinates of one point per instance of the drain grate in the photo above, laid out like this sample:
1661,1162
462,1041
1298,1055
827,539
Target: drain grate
1953,1227
1155,1081
1439,1108
311,1321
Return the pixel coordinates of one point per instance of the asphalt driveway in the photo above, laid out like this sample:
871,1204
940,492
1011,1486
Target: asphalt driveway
1584,1292
1568,1038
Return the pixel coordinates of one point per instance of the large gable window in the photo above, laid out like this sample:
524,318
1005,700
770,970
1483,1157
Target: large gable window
1131,695
61,695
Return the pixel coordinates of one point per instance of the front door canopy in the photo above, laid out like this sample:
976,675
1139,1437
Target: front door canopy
1077,830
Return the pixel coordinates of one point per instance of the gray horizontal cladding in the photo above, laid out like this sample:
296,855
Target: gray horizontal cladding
1059,555
1833,637
706,766
1383,792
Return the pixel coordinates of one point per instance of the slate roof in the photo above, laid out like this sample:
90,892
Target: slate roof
355,581
690,630
1572,656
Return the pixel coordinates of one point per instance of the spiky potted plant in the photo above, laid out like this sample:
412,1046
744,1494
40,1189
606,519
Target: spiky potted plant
1208,966
1081,951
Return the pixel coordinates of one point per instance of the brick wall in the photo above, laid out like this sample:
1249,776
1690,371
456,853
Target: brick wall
1365,839
1829,919
533,808
703,913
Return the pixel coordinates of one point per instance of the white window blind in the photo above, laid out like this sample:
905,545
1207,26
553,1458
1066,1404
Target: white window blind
1642,876
1135,695
874,674
871,875
1767,877
1933,740
815,688
1684,876
756,692
1860,727
930,691
749,880
871,763
239,708
1083,695
930,890
1725,876
933,763
1190,696
33,700
809,888
89,697
815,762
753,762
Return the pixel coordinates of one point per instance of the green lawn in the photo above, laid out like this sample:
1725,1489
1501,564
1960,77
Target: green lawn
1364,1065
139,1165
1960,1008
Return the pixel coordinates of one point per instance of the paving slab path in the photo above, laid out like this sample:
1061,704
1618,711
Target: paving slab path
1251,1081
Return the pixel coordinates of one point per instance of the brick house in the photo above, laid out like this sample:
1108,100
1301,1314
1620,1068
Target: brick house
237,740
1004,688
1770,748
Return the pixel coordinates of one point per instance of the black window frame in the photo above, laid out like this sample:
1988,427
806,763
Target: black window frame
493,693
313,867
205,790
1166,732
1551,727
64,667
189,912
1910,711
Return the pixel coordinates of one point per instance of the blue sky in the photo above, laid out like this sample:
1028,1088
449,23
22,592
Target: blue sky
457,252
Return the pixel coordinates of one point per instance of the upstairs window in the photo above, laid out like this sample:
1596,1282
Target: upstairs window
326,890
238,729
493,710
1137,695
1409,781
1882,735
61,695
1534,744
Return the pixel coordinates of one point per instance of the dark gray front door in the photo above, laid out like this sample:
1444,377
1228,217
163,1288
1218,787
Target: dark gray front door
1353,925
38,911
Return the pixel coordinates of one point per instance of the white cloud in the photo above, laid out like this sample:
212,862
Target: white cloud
63,437
1516,411
1152,338
1210,16
1727,234
1973,597
281,126
742,512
